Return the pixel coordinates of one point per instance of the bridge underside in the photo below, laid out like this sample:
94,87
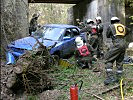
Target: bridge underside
56,1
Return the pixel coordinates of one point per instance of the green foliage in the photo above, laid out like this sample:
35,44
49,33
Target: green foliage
121,2
49,13
92,81
131,19
62,97
131,3
32,97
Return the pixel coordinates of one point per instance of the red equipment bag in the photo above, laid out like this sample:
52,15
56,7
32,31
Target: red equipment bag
94,30
84,51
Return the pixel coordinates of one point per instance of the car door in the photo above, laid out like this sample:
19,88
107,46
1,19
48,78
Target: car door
68,42
75,33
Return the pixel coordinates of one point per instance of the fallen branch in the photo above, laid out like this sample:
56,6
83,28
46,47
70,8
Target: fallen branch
100,98
129,79
74,75
69,76
111,89
40,43
18,69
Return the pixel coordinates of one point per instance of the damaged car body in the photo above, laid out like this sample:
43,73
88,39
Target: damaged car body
60,35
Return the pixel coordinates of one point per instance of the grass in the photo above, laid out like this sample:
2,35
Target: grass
31,97
64,77
92,82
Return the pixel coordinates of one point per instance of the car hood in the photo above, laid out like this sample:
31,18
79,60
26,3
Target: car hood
28,42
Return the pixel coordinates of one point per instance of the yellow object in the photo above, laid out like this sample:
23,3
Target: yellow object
122,97
127,65
120,30
65,63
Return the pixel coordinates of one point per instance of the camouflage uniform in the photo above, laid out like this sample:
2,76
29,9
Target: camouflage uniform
33,24
80,24
85,61
115,53
100,39
92,39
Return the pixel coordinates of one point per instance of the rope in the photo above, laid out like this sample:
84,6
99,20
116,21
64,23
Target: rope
122,97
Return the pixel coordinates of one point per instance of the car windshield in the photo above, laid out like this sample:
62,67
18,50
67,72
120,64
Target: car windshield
52,33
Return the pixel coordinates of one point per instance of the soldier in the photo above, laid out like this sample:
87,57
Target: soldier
91,33
33,23
84,53
100,36
117,32
80,24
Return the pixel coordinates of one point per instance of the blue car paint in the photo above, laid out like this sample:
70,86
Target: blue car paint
18,47
68,46
24,43
24,46
57,47
10,58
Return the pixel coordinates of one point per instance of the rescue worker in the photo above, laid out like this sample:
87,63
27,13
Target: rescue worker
84,53
117,32
80,24
91,33
100,36
33,23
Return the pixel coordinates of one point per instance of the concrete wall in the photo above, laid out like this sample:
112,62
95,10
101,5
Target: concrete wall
14,21
22,11
78,11
129,12
107,10
93,8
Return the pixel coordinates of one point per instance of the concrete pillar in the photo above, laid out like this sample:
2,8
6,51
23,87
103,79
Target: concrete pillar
104,8
14,21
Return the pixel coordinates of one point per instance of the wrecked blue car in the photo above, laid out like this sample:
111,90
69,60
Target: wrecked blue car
63,35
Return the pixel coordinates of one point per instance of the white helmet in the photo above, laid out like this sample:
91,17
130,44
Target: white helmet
89,20
114,18
130,45
79,41
98,18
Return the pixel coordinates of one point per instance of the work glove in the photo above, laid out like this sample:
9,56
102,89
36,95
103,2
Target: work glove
95,56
